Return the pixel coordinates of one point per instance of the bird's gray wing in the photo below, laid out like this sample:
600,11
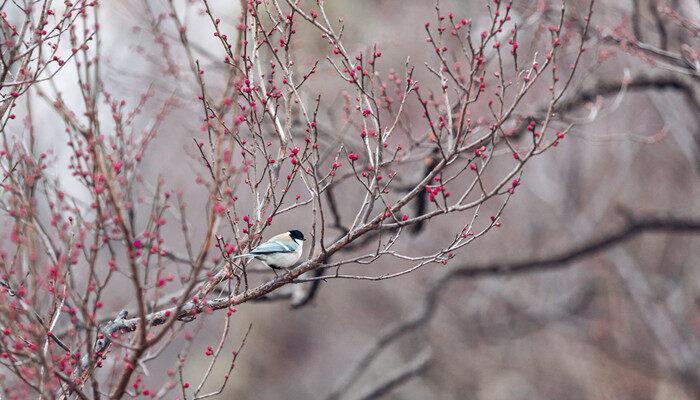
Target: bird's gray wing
273,246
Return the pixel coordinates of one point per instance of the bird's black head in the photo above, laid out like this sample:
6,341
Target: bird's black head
296,235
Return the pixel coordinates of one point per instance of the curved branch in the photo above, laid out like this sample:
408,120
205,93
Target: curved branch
635,226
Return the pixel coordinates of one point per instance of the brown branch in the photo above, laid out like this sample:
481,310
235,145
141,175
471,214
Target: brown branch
400,376
635,226
637,83
611,88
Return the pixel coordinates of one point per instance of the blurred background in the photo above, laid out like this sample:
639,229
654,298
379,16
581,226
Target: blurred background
622,324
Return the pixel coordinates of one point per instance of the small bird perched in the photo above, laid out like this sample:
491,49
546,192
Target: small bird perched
279,252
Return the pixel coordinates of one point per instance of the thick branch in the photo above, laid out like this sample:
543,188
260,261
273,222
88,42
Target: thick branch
634,227
398,377
636,83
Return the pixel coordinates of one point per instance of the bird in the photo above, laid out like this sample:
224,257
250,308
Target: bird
280,251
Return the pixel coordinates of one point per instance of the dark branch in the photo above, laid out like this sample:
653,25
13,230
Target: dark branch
637,83
634,227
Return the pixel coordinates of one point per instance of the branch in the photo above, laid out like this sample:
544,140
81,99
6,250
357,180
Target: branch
635,226
637,83
611,88
111,328
410,370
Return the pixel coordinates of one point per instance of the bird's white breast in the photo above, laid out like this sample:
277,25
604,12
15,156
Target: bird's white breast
282,260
